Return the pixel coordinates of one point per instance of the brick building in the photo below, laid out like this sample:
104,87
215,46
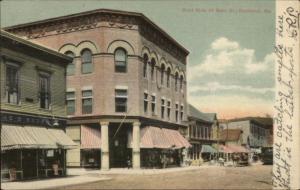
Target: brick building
126,88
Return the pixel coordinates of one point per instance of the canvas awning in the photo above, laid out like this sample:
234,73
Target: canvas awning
208,149
155,137
233,149
18,137
225,149
90,138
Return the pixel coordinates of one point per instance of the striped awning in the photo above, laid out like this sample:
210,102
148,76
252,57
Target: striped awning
18,137
208,149
233,149
155,137
90,138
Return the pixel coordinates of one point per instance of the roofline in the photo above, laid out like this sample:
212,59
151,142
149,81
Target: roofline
35,46
100,11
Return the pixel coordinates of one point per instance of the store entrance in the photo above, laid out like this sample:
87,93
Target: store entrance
29,163
119,154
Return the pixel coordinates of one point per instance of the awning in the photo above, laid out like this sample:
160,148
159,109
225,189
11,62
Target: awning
233,149
18,137
225,149
208,149
155,137
90,138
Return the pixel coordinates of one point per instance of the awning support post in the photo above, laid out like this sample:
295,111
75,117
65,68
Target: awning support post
136,157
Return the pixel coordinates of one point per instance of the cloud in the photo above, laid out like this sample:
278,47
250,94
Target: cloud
229,73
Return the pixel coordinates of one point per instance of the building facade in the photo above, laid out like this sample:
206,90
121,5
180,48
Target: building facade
33,116
256,131
126,85
202,130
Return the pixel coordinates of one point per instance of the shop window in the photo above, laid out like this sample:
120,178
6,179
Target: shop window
44,94
145,62
120,61
168,77
86,61
121,100
153,102
169,109
12,84
70,103
87,101
71,66
162,108
145,102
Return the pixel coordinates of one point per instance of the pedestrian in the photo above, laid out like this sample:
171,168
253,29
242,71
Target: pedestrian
128,162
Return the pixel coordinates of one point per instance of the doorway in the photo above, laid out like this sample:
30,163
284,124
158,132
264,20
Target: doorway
119,153
29,163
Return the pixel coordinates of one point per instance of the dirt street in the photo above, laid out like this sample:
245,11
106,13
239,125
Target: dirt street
251,177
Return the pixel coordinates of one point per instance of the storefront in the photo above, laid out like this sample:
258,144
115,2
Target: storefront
29,152
161,147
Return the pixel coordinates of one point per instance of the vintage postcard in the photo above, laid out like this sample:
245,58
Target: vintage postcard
140,94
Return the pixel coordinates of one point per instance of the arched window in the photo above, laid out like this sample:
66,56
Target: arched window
71,66
145,65
176,81
181,82
120,61
162,74
86,61
152,68
168,76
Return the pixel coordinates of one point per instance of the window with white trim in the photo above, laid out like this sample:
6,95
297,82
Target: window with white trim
162,74
152,68
12,84
44,91
176,82
181,112
145,102
168,77
153,102
70,101
87,101
121,100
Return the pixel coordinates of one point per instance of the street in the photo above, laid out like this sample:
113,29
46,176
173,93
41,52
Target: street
209,177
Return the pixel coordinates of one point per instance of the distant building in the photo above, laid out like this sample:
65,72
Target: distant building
202,130
33,115
232,136
256,131
126,88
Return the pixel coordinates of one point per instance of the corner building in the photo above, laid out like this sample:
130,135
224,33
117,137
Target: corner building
126,88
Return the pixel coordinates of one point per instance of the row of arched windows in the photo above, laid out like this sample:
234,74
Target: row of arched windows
163,71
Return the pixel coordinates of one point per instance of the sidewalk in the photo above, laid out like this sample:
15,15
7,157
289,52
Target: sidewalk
53,182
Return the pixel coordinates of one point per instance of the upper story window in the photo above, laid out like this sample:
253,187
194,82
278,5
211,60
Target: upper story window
152,68
181,112
162,74
168,77
198,132
176,81
87,101
206,132
169,109
12,84
163,108
176,112
153,102
45,93
145,102
202,132
71,66
120,61
145,64
121,100
181,82
70,100
86,61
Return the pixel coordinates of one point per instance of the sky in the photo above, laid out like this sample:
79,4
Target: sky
230,68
